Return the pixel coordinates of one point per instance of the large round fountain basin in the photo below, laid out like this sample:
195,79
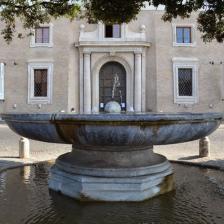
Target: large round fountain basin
112,157
113,130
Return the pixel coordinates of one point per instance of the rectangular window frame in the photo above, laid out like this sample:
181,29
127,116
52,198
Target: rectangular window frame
40,100
185,63
122,30
193,35
42,36
112,31
36,76
2,81
183,28
33,37
178,81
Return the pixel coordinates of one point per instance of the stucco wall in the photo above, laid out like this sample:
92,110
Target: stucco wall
16,57
159,67
209,76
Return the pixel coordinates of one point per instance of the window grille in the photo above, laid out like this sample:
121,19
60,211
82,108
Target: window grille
40,82
185,82
42,35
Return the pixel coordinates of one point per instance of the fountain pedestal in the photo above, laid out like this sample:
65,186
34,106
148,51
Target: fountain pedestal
112,175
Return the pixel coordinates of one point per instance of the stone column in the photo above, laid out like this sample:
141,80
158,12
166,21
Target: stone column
81,90
138,83
143,82
204,147
87,84
24,148
222,81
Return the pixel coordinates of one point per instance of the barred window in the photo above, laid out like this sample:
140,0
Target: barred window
183,35
185,82
40,82
113,31
42,35
185,74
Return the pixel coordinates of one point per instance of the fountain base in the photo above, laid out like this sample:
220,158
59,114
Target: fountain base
132,178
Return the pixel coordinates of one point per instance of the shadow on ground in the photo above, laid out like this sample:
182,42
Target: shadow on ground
189,157
217,164
12,162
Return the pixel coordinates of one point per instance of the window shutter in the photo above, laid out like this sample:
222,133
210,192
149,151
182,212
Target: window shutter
1,81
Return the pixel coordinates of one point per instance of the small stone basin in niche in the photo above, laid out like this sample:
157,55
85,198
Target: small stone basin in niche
112,157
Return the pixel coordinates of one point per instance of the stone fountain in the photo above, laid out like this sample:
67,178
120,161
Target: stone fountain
112,157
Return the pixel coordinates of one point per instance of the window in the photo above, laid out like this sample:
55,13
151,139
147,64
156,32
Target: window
184,35
40,82
113,31
43,36
185,80
2,66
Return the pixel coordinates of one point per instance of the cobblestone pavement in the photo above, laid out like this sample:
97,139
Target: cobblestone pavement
185,152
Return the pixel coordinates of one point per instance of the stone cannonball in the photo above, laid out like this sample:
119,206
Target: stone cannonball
112,107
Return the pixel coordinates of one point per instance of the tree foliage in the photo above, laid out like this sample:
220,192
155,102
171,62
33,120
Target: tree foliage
34,12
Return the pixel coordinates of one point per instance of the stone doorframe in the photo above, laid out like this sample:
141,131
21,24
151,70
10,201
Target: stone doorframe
129,81
90,66
93,42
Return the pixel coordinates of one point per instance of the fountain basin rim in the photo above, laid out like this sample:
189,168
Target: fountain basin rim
108,118
97,131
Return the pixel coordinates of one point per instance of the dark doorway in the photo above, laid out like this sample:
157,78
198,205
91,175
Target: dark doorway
112,85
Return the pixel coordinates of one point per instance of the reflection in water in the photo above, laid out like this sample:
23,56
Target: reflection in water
26,173
26,199
2,182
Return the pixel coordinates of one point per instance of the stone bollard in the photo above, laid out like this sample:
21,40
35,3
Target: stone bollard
204,147
24,148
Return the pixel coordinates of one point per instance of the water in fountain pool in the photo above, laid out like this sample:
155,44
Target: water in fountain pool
25,199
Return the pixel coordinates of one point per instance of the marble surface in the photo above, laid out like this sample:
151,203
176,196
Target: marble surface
100,130
112,107
100,187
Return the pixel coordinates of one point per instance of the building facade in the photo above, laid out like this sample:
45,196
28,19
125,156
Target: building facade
146,66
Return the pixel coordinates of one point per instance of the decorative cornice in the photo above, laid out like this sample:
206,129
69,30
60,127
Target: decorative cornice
182,59
111,50
113,44
42,60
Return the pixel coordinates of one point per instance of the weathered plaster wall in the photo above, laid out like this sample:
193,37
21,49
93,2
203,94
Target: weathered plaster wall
159,67
18,54
209,76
